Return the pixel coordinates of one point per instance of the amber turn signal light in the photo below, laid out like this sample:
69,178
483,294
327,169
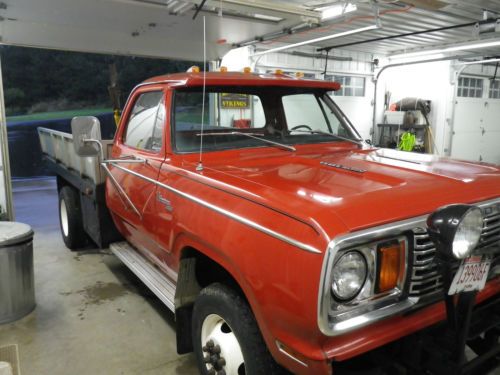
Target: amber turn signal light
390,257
194,69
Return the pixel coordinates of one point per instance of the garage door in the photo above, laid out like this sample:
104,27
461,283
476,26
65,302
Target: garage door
476,125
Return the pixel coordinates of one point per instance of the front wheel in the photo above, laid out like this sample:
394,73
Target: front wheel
226,338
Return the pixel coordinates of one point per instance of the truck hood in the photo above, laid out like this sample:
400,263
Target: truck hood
362,188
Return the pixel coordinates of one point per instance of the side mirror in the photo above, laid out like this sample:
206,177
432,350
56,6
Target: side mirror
86,132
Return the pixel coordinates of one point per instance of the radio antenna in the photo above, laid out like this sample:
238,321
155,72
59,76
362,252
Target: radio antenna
199,168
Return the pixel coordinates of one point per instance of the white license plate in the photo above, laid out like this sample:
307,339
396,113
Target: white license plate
471,275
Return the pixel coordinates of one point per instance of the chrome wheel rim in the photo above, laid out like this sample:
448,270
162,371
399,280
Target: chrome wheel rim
221,350
64,218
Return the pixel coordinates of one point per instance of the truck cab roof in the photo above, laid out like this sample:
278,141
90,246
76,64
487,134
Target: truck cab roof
191,79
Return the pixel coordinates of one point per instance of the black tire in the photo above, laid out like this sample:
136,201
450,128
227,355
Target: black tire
233,309
70,218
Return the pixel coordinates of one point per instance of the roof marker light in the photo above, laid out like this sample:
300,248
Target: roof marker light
278,72
223,69
299,75
247,70
194,69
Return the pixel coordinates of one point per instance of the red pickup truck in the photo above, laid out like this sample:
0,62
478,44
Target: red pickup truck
279,238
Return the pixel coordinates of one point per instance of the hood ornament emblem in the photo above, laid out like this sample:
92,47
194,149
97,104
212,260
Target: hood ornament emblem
344,167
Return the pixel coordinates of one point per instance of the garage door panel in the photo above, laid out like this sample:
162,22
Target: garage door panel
467,129
491,117
466,117
466,146
490,150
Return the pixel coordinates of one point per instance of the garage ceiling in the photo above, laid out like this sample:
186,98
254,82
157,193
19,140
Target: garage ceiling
165,28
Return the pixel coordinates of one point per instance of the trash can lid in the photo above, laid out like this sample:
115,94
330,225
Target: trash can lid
5,368
12,233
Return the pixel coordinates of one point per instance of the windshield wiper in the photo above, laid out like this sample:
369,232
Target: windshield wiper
355,141
255,136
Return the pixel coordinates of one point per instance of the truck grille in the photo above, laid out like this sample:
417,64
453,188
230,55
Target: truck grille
425,278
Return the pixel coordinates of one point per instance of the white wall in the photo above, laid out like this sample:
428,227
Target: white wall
360,62
359,110
429,81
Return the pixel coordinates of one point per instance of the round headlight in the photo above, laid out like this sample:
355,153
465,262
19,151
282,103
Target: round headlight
456,229
349,275
468,233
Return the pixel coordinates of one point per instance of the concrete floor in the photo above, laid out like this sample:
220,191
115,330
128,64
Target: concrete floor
93,316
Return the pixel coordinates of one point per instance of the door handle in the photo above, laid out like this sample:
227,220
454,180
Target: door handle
127,159
166,202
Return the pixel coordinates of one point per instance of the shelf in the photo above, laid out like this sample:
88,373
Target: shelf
404,127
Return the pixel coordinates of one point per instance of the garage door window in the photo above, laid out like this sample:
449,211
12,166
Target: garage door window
351,86
146,122
494,89
470,87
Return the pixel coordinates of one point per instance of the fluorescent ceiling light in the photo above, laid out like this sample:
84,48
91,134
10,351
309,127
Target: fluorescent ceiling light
171,4
434,56
480,61
336,10
462,47
267,17
311,41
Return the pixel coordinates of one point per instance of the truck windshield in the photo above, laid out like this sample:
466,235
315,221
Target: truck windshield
287,116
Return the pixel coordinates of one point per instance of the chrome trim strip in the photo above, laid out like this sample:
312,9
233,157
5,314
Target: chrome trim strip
200,179
129,161
344,167
282,350
121,192
226,213
487,203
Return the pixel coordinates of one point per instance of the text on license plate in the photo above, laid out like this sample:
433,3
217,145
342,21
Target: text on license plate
471,275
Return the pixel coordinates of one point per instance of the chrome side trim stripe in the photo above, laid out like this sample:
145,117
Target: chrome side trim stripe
120,190
226,213
202,181
282,350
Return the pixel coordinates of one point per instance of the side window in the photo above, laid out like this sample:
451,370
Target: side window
145,125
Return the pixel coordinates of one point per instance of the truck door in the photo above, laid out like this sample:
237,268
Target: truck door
139,151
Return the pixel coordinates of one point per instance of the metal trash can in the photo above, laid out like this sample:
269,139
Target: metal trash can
5,368
17,289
